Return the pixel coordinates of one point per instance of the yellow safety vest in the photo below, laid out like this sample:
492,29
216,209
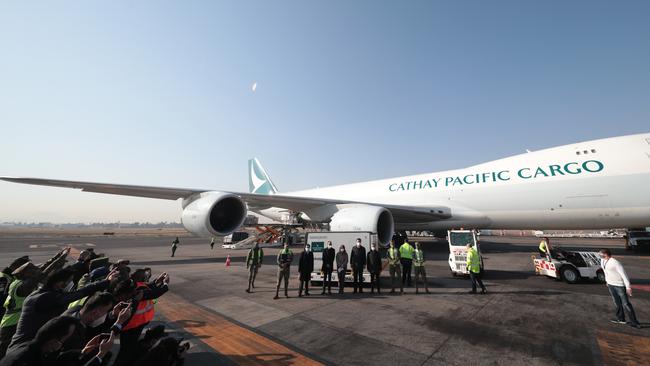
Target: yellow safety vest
406,251
473,261
13,306
392,256
542,246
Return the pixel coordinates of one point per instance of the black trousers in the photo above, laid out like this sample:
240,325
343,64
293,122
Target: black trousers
476,279
374,282
406,271
327,278
357,274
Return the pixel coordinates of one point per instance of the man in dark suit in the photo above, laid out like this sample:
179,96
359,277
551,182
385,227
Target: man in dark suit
305,267
328,267
358,261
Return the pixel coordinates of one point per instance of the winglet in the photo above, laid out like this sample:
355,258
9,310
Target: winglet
258,180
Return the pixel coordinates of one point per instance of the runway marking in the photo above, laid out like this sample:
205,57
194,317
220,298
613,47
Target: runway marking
243,346
623,349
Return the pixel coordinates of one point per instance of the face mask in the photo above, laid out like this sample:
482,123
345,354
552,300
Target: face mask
306,249
358,244
68,287
329,246
373,248
99,321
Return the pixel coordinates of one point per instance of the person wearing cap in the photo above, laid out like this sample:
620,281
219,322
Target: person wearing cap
373,263
418,264
6,278
26,279
50,301
305,268
341,267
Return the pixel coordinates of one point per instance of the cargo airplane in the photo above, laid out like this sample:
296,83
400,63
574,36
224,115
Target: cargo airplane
586,185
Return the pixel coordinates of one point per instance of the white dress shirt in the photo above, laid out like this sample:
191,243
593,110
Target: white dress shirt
614,273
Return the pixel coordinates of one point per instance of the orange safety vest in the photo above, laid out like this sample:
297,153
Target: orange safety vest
144,312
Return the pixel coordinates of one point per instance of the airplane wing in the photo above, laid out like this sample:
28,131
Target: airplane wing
294,203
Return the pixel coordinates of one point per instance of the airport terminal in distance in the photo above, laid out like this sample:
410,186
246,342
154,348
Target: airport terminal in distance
546,301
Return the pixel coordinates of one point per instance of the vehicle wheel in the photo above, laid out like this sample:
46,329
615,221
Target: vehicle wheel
570,274
600,275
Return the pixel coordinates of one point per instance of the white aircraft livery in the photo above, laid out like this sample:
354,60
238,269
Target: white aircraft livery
588,185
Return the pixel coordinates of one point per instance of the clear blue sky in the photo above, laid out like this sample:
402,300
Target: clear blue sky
159,92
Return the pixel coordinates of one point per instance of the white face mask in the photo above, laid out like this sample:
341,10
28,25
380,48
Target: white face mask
306,249
99,321
373,248
358,244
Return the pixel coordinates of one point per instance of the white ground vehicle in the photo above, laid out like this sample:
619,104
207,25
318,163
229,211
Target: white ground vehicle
458,240
569,266
318,242
637,240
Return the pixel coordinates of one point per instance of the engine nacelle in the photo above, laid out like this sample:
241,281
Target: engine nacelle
355,217
214,213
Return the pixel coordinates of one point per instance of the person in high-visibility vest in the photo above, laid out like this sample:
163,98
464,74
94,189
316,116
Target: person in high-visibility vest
474,269
6,278
395,268
418,263
253,264
25,281
543,248
406,254
142,312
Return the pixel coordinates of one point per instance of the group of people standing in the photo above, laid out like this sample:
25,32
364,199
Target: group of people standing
357,261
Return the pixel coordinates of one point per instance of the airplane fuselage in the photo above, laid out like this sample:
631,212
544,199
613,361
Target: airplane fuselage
596,184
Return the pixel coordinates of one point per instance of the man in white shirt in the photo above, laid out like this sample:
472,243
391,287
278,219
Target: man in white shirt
619,287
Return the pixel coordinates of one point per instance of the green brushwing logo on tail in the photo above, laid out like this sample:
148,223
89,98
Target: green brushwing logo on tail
258,180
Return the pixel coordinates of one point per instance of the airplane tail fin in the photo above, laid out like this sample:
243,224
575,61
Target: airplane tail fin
258,180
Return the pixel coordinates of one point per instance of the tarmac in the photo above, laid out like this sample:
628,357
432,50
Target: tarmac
523,320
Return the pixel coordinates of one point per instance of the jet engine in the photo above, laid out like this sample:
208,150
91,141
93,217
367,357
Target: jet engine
357,217
213,213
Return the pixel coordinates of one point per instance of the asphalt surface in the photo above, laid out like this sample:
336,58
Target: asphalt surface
524,319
